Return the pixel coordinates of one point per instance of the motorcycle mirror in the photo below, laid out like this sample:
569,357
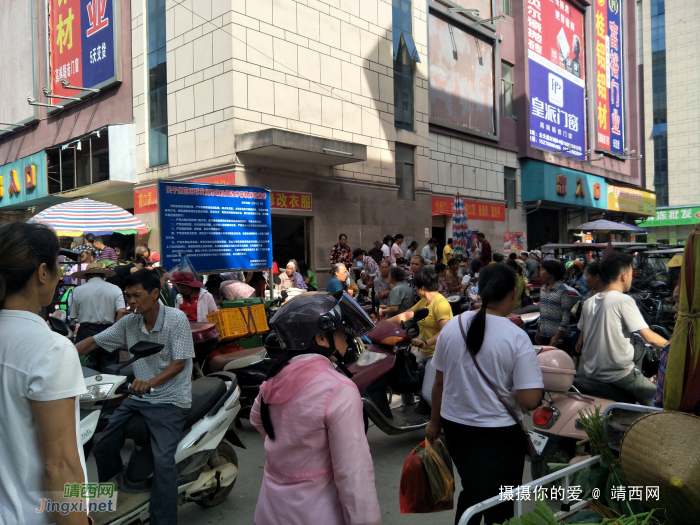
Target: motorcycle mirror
145,349
420,314
58,325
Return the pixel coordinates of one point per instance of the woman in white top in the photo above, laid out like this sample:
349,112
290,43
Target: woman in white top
40,383
396,250
486,444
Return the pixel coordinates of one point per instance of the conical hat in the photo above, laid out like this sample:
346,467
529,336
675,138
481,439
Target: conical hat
662,450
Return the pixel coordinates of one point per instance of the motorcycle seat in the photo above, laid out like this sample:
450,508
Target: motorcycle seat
237,360
206,391
595,388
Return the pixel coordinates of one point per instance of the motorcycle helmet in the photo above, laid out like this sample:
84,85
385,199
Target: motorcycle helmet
300,319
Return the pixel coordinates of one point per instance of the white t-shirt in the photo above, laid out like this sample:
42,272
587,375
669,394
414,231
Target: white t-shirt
507,359
36,364
608,321
386,251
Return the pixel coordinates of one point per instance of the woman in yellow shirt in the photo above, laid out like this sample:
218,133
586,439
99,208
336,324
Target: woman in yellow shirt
427,288
447,252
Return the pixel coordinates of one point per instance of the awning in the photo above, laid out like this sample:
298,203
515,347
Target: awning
603,225
672,216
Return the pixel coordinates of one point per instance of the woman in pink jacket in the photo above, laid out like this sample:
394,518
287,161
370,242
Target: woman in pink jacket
319,468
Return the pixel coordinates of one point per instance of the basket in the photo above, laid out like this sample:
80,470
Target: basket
242,303
235,323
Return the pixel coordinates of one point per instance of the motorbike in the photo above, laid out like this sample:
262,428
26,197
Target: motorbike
207,463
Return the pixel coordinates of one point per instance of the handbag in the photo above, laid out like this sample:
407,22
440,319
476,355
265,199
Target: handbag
528,442
405,377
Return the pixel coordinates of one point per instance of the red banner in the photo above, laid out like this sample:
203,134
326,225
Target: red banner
483,211
287,200
146,199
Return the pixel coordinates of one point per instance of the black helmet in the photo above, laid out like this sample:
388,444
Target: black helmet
300,319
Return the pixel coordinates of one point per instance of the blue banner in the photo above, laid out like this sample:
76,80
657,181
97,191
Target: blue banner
97,23
219,227
556,109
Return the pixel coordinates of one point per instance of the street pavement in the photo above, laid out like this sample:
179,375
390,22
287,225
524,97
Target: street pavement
388,454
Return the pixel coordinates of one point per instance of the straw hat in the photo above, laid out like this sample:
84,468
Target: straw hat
662,450
93,269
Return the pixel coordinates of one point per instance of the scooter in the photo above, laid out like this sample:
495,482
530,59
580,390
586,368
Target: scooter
207,463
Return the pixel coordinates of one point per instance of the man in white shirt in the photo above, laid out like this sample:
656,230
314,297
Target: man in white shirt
97,305
607,323
429,252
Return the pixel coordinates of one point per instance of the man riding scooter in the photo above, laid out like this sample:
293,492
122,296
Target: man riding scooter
607,323
167,372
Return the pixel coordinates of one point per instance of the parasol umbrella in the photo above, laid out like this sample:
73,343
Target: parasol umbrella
682,380
460,227
605,225
76,218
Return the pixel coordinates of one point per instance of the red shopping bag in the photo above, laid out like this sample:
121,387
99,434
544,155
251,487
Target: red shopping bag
415,492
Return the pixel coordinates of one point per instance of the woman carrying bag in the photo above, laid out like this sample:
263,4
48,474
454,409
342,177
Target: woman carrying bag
486,368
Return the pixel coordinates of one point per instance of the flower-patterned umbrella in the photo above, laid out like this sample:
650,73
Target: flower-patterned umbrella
460,227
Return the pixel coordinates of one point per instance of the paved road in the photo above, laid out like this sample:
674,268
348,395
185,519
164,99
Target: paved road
388,453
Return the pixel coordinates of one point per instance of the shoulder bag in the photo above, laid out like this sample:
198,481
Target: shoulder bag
528,442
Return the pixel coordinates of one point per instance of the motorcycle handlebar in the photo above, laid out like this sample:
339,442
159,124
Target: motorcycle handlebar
126,389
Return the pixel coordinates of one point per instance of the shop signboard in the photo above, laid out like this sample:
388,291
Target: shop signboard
484,211
83,43
556,63
609,75
146,199
291,200
631,200
562,186
676,216
23,180
219,227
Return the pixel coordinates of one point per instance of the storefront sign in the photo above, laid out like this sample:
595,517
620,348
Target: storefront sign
672,239
561,186
512,240
146,199
84,51
675,216
556,60
218,226
485,211
23,180
287,200
631,200
609,61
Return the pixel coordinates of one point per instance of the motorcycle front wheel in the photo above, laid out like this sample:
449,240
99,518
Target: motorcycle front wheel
224,454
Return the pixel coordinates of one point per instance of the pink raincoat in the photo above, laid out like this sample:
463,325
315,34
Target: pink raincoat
319,468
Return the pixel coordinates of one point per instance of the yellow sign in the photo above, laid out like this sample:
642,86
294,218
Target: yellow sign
630,200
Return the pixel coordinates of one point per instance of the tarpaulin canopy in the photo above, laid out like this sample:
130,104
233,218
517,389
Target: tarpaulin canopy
76,218
460,227
604,225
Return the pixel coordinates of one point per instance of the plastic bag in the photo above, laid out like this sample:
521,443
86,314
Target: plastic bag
427,483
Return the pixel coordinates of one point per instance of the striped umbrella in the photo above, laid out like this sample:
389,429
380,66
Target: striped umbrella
76,218
460,227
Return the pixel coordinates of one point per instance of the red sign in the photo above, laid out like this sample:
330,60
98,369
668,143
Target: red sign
484,211
146,199
287,200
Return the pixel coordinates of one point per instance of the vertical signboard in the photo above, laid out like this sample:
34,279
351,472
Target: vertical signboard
556,69
610,115
219,227
83,45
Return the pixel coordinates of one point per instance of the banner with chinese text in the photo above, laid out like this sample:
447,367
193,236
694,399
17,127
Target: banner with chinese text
556,62
83,45
631,200
676,216
290,200
609,90
485,211
146,199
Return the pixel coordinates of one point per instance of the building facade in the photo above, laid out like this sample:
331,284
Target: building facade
670,62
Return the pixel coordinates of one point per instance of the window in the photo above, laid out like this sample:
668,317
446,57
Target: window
157,84
504,6
78,163
404,171
509,187
403,90
507,90
658,82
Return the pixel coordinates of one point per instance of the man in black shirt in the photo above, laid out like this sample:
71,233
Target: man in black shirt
376,252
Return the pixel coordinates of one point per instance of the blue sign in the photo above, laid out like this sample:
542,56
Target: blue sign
557,109
219,227
97,23
23,181
562,187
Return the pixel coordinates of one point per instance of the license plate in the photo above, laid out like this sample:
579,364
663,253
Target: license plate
538,440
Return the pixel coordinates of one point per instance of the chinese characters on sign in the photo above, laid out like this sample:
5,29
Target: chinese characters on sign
555,61
219,227
631,200
673,217
82,44
146,199
608,74
486,211
290,200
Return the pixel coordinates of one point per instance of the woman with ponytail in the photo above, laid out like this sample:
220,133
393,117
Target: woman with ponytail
486,444
40,383
319,468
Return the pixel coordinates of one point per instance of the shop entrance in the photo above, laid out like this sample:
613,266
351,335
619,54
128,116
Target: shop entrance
542,227
289,240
